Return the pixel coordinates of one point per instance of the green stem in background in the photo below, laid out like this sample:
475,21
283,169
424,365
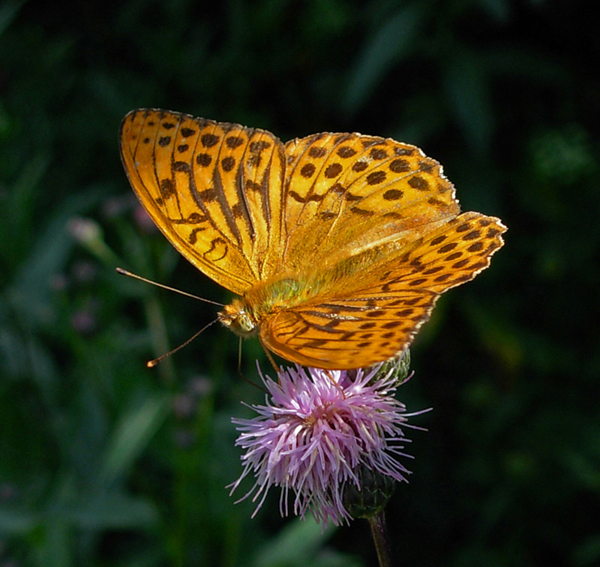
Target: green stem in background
90,235
160,341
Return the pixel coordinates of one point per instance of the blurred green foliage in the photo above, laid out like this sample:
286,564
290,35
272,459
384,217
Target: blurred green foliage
104,462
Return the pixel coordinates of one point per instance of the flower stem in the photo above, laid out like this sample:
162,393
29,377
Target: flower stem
379,533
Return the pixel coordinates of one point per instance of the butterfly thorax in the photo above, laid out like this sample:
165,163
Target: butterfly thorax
244,314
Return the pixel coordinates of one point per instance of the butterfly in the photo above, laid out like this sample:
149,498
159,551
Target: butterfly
338,245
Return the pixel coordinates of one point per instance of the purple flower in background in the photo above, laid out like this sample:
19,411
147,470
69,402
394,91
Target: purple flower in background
317,434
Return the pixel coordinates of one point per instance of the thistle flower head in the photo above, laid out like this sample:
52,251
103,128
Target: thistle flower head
316,431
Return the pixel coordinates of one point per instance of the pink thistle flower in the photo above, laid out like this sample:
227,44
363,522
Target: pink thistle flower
315,434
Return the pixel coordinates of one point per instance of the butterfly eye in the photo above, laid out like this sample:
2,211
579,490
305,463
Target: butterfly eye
235,317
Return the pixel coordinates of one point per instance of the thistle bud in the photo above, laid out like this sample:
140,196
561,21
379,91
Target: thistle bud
371,498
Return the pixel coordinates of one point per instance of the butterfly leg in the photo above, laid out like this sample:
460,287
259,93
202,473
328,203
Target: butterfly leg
336,384
270,356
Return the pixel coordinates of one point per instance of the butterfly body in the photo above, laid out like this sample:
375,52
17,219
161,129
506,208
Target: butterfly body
244,315
338,245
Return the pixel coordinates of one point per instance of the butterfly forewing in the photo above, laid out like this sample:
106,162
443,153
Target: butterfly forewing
214,189
348,192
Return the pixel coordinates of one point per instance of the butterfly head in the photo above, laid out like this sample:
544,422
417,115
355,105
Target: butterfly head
236,317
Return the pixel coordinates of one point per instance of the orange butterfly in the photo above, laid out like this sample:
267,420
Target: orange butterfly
338,244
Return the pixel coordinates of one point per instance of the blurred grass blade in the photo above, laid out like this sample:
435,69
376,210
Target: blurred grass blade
8,12
131,437
587,553
31,293
54,546
16,521
393,40
499,10
296,544
113,511
466,80
19,225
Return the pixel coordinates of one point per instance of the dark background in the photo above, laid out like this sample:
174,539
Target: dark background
106,463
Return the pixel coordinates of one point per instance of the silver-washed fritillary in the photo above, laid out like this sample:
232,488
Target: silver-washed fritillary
338,244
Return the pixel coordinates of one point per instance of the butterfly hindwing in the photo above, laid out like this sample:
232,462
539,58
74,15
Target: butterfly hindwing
359,325
448,256
350,332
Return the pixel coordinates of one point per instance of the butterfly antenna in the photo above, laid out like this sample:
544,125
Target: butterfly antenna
153,363
192,296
